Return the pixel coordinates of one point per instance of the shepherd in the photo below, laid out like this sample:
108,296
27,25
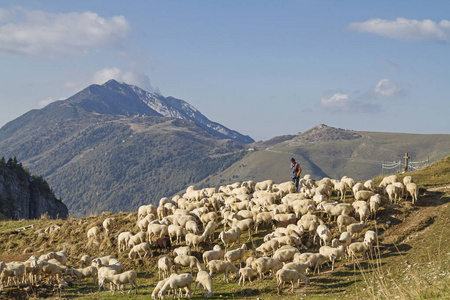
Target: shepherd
295,172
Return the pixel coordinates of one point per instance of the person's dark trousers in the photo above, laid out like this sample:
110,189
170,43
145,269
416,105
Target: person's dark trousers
296,180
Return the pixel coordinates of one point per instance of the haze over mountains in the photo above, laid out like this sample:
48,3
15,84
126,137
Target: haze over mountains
113,147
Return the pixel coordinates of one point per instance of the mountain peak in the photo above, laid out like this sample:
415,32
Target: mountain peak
114,97
323,133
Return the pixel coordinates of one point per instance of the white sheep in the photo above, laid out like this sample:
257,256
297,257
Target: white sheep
93,233
208,233
370,237
185,250
206,283
157,230
355,229
221,266
192,227
188,261
357,187
370,185
324,234
246,272
144,210
286,275
194,240
298,266
374,205
264,185
265,264
343,221
176,231
177,282
164,266
85,260
215,254
340,187
122,240
230,237
237,254
393,193
413,190
268,247
407,179
119,280
318,259
357,247
142,247
143,223
109,224
363,195
159,286
84,273
328,251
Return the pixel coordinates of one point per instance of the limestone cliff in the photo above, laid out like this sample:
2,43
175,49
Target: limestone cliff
25,196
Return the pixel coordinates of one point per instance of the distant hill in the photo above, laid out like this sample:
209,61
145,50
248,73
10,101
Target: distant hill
26,196
324,151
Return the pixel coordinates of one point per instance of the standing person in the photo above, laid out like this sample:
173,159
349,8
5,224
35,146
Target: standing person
295,172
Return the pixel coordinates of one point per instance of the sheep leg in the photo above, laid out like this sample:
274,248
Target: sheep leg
292,290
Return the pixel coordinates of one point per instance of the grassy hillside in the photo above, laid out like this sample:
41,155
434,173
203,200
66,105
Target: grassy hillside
329,152
412,261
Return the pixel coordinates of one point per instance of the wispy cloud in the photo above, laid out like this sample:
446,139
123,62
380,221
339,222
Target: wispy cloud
386,89
406,29
34,33
130,77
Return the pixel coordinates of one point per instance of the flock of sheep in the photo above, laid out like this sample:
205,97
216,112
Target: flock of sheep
301,221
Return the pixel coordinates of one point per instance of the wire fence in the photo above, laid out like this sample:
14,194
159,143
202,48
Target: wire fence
399,166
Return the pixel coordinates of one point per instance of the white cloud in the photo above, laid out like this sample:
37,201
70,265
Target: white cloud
405,29
45,102
340,102
49,35
386,89
130,77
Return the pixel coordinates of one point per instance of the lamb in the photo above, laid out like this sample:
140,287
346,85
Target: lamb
265,264
215,254
343,220
231,236
208,233
221,266
164,266
122,240
109,224
206,283
194,240
84,273
413,190
93,233
286,275
120,280
85,260
188,261
142,247
355,229
246,272
328,251
357,247
177,282
237,254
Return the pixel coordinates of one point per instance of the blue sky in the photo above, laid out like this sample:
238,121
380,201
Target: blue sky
263,68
